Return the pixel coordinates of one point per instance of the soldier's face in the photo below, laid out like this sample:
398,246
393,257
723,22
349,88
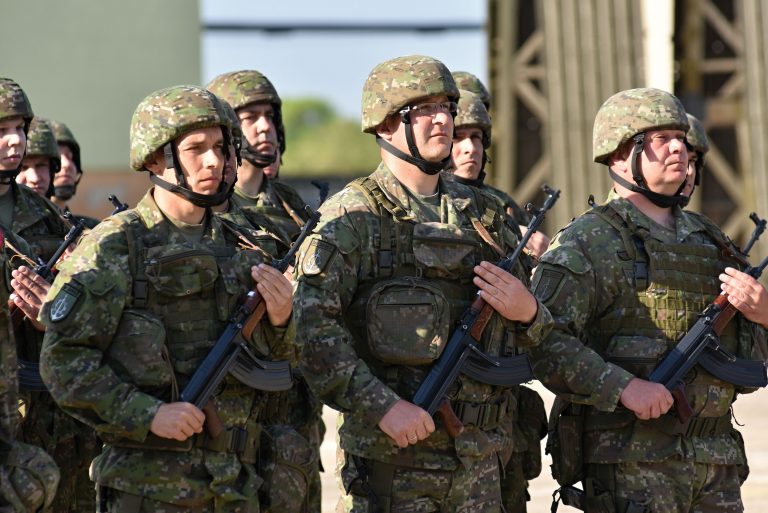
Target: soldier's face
68,174
663,161
467,152
257,123
13,142
36,174
432,133
201,155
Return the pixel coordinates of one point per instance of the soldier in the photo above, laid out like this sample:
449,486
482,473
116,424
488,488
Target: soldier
28,476
41,161
698,147
471,139
66,180
259,108
395,260
624,281
538,242
140,303
296,427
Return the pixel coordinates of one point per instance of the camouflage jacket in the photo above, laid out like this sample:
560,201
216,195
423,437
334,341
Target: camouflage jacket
111,361
336,269
278,201
38,221
585,274
512,209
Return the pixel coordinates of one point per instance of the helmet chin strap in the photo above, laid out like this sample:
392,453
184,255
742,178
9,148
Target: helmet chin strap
64,192
255,158
415,158
660,200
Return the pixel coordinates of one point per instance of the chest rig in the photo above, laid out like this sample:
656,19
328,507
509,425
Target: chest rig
416,279
672,283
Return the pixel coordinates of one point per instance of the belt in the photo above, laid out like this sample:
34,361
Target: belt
700,427
485,416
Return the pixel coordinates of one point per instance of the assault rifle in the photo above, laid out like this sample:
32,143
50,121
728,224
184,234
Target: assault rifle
322,190
702,345
756,233
462,354
29,372
231,355
119,205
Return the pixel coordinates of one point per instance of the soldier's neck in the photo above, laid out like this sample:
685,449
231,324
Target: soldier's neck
661,215
250,179
4,188
59,203
177,207
411,176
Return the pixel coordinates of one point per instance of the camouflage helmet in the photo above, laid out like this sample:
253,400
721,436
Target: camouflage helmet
466,81
472,113
65,136
169,113
40,141
403,81
697,136
14,102
244,87
237,132
631,112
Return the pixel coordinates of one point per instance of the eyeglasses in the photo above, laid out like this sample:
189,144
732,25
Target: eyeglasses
431,109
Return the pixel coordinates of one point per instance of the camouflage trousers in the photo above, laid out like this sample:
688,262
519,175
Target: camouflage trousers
514,485
415,490
670,486
115,501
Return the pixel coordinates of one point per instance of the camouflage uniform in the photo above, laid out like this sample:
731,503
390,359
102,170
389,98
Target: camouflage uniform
133,312
295,416
65,136
622,290
529,420
28,476
380,285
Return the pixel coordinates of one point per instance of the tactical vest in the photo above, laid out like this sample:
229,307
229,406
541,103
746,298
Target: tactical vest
181,297
673,283
283,207
39,225
419,284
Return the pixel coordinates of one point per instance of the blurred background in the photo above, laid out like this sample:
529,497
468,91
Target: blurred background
548,63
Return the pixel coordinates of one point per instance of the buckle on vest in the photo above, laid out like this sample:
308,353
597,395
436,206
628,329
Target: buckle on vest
385,259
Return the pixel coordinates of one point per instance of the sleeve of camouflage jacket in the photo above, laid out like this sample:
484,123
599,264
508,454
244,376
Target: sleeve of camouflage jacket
327,275
81,315
574,290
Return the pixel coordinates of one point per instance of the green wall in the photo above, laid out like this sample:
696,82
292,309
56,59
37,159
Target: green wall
89,63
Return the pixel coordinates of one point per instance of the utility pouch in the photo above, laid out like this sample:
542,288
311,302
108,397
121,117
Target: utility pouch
532,419
286,462
564,442
408,321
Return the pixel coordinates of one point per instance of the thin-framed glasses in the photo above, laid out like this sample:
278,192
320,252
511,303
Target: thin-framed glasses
431,109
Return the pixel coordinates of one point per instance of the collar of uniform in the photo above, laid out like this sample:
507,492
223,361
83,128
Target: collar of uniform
155,220
685,225
24,212
393,189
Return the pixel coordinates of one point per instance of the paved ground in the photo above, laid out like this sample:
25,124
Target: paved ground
751,410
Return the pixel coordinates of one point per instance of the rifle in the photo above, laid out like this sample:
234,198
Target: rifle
323,188
702,345
461,353
756,233
119,205
230,354
29,372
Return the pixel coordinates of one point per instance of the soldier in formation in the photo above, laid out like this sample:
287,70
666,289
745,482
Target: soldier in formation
623,282
395,260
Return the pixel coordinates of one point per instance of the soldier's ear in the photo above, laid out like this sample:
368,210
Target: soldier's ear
388,127
156,162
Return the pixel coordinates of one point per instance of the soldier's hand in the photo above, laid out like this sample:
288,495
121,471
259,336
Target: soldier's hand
177,421
505,293
277,291
29,290
747,294
537,244
646,399
406,423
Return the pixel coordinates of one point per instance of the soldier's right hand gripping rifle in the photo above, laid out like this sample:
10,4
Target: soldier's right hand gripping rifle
462,354
231,355
701,345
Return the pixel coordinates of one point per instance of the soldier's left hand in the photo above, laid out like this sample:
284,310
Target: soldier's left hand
537,244
747,294
277,291
30,290
505,293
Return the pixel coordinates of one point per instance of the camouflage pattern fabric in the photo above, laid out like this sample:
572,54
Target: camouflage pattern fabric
511,207
13,101
40,140
612,327
182,109
697,136
472,113
402,81
270,203
103,353
38,221
631,112
469,82
338,267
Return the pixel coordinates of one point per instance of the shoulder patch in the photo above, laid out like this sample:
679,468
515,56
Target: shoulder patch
317,256
65,300
548,284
